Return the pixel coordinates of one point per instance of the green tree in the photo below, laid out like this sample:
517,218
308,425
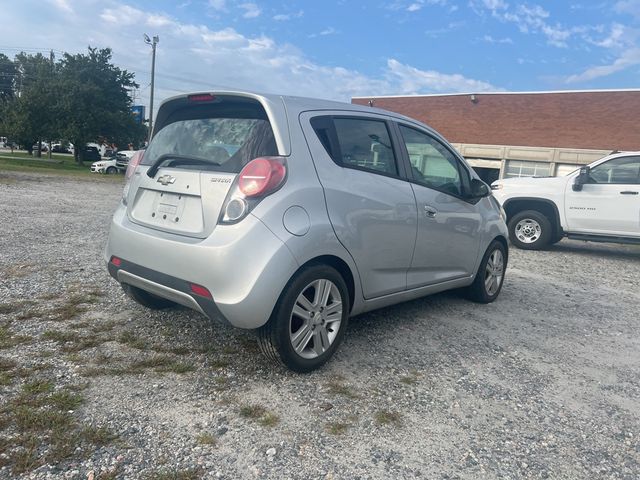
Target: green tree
94,98
8,74
30,112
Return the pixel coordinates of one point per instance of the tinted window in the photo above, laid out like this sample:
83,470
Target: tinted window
228,142
357,143
622,170
431,162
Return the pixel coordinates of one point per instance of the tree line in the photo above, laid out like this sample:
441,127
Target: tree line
79,98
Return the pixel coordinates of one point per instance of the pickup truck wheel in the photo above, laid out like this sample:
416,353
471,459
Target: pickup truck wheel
112,170
530,230
309,320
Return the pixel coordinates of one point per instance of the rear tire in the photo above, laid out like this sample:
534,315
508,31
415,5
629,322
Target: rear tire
530,230
112,170
490,275
309,320
146,299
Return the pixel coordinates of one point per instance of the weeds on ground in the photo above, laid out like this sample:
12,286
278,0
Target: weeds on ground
337,387
337,428
387,417
206,439
174,474
38,425
259,414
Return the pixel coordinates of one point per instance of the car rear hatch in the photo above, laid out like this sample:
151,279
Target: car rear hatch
200,143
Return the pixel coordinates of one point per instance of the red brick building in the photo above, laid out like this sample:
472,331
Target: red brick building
513,132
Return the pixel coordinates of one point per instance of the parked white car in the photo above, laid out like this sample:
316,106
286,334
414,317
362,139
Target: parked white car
105,166
599,202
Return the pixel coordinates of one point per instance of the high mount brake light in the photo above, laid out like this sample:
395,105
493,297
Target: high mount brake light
261,176
201,97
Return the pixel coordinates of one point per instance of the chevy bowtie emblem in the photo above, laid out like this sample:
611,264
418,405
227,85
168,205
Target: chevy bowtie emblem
166,179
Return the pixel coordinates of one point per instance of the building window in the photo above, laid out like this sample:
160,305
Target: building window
517,168
564,169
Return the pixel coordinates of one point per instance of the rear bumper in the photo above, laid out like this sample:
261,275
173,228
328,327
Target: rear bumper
163,285
244,266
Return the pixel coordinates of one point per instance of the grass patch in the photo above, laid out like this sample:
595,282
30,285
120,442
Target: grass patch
387,417
17,271
44,429
410,379
9,340
336,387
206,439
157,363
98,436
259,414
337,428
132,340
7,308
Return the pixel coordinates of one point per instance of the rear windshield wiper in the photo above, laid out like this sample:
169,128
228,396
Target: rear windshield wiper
173,159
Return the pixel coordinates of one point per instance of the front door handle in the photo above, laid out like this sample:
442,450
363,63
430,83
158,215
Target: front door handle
430,211
628,192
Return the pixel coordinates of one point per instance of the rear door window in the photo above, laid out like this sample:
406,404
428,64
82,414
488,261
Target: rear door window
359,143
226,138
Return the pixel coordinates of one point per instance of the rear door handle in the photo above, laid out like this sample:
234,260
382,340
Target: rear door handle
429,211
628,192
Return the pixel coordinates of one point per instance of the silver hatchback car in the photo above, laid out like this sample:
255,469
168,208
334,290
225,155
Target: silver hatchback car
289,215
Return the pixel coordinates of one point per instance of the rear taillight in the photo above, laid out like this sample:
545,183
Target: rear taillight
261,177
131,169
201,97
133,164
258,179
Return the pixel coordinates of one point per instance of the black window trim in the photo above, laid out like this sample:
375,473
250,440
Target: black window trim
462,168
335,143
637,182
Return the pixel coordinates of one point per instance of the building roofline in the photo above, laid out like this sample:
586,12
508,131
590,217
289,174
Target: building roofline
496,93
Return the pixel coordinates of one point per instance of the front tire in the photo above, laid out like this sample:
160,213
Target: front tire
490,275
309,320
530,230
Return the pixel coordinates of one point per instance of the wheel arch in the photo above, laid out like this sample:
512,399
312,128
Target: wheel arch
546,207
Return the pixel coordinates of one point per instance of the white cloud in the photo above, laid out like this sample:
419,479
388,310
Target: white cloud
251,10
631,7
62,5
628,59
283,17
195,57
490,39
218,4
414,7
412,80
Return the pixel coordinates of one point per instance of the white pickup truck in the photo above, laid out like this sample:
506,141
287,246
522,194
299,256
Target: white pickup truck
599,202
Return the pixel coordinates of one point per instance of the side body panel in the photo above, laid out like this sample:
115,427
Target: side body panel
374,216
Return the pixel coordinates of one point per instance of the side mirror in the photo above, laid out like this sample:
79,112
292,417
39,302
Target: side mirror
581,179
479,189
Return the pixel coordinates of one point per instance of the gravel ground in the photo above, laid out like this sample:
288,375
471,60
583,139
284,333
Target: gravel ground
543,383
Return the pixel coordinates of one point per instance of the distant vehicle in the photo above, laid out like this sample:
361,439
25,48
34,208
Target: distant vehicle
59,148
325,210
105,166
123,157
43,149
91,154
599,202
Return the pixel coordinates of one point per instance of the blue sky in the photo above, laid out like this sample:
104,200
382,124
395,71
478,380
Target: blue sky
339,49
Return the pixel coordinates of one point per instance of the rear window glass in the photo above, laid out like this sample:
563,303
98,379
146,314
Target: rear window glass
226,140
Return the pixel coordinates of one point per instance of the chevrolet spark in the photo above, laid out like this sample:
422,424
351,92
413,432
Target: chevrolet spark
288,215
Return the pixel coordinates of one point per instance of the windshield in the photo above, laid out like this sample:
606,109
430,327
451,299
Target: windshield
227,143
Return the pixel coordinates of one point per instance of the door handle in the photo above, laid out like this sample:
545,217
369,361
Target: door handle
628,192
430,211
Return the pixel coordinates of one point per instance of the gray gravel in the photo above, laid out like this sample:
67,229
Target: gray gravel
543,383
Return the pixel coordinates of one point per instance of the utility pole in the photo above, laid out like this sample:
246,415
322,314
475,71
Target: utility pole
153,44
